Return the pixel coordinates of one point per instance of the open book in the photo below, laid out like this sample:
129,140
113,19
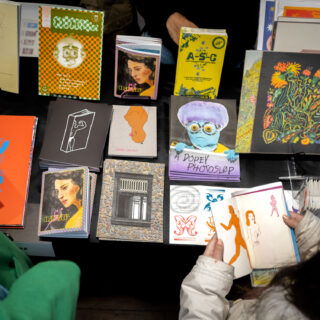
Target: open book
252,229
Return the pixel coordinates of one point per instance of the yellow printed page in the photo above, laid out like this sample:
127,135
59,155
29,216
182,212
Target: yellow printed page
9,53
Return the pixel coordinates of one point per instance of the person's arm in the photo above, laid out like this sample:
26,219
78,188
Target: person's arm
175,22
203,291
306,229
47,291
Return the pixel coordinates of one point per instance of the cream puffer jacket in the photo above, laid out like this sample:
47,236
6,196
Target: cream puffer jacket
204,289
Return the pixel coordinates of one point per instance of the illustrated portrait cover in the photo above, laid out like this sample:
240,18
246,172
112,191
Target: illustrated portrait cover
137,67
64,201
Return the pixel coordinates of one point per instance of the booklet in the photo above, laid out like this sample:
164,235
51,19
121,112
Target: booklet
202,139
9,53
17,137
66,203
137,67
252,229
70,52
200,61
191,219
131,201
75,134
133,132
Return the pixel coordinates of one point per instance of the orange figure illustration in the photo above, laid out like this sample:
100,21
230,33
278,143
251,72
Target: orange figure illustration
212,228
239,241
137,116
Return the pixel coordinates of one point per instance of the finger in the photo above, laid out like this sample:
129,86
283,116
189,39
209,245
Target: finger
218,251
211,246
293,220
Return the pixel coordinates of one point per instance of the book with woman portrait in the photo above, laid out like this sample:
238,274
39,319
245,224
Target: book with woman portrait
137,67
65,203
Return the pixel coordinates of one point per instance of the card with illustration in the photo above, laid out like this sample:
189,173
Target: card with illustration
202,139
288,103
133,131
191,219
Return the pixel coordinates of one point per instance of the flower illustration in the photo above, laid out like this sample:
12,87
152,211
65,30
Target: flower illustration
278,80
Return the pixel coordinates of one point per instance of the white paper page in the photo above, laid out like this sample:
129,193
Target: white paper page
269,239
227,223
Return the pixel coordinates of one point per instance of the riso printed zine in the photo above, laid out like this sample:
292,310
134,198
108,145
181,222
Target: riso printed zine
70,50
252,229
191,219
65,203
200,61
137,67
202,140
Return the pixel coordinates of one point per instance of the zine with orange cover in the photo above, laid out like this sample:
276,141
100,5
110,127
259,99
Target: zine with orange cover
70,52
133,131
17,135
250,224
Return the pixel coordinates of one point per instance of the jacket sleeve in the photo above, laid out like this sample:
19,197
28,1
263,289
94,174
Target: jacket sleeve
308,235
203,291
47,291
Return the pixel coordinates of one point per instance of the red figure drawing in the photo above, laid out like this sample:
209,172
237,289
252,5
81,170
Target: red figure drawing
273,204
239,241
183,224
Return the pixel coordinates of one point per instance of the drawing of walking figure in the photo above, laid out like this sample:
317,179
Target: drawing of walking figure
239,241
273,204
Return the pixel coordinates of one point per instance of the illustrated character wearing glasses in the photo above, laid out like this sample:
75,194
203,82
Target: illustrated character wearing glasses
204,121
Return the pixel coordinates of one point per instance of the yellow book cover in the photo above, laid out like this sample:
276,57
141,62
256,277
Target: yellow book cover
70,50
200,60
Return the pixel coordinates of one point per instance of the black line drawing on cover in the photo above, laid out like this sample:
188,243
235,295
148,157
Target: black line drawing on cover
77,132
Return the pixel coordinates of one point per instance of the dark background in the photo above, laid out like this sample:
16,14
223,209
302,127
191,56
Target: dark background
141,269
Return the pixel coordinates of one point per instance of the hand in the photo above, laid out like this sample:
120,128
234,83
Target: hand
214,248
174,24
293,220
232,156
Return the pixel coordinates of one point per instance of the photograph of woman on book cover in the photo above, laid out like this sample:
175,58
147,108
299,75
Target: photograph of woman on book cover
136,75
62,206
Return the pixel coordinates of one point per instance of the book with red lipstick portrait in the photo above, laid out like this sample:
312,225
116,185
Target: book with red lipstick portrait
65,203
137,67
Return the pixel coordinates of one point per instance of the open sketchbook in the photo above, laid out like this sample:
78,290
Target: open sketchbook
252,229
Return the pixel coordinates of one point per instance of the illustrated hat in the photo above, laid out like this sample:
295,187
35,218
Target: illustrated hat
204,111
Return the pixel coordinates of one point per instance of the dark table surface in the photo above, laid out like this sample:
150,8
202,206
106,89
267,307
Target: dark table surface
132,267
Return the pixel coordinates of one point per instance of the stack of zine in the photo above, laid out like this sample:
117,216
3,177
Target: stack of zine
137,67
66,202
75,134
202,140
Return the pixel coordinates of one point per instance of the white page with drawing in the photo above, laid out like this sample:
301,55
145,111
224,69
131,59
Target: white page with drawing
226,219
270,242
